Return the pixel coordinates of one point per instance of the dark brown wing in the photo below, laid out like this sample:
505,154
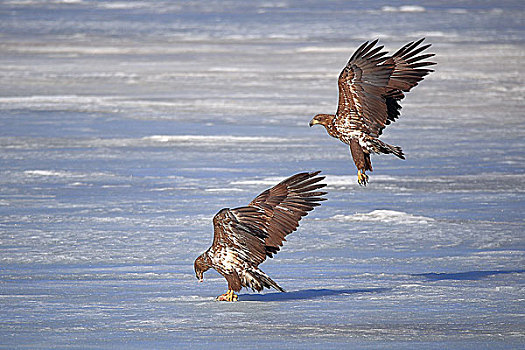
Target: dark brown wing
409,70
371,85
258,230
361,87
286,203
242,231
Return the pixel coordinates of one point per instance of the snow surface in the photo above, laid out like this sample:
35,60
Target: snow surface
125,126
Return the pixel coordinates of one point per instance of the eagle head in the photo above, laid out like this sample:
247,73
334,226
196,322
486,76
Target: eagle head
201,265
323,119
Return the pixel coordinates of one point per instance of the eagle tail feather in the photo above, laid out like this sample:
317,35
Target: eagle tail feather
382,147
265,281
274,284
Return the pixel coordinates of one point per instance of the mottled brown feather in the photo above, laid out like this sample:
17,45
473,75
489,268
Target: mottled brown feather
371,84
258,230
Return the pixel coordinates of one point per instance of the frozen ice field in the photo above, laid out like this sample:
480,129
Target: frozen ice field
125,126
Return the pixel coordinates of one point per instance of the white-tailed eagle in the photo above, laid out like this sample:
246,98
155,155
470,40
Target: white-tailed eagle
245,236
370,88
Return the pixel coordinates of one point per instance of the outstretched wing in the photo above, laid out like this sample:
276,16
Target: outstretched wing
371,85
361,87
258,230
409,70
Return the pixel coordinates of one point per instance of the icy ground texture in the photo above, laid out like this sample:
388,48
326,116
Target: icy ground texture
125,126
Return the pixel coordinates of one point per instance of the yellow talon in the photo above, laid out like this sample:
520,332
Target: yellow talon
228,296
362,178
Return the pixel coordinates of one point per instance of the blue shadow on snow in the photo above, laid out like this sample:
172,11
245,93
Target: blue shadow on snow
307,294
464,276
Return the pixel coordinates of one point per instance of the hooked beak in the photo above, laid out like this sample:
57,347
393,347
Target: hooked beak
200,280
314,122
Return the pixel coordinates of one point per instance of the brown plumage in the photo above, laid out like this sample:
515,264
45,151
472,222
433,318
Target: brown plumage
370,88
245,236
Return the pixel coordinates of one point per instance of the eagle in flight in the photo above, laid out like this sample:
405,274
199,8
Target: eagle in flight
243,237
370,88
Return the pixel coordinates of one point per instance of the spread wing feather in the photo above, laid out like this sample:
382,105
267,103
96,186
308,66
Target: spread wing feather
259,229
408,70
371,85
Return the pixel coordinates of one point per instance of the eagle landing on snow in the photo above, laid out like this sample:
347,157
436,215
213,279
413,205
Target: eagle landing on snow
243,237
370,88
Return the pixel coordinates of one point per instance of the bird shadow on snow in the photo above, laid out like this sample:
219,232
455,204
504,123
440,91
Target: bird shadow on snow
464,276
307,294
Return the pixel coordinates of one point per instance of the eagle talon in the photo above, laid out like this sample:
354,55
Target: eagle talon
362,178
228,296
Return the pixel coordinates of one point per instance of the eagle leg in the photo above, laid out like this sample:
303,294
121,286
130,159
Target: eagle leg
362,178
228,296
